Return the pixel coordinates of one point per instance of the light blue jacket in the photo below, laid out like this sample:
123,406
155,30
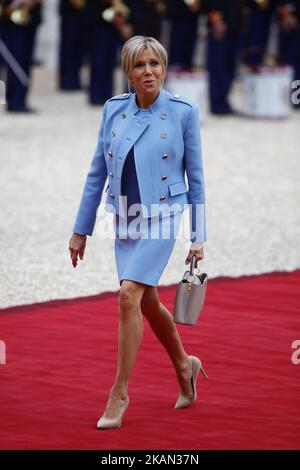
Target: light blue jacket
166,147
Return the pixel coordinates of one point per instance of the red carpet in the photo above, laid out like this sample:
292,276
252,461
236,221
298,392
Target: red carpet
60,366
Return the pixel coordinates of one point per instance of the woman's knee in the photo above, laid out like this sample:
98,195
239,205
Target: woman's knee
130,295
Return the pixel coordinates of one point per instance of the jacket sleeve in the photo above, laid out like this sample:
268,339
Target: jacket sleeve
194,170
93,188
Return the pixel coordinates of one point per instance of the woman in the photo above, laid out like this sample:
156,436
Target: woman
147,140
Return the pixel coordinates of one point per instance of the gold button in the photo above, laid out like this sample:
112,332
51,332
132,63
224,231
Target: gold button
164,135
163,116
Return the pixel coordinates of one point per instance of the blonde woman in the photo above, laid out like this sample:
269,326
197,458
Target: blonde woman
147,141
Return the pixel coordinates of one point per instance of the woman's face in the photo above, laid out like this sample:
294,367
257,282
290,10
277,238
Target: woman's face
147,73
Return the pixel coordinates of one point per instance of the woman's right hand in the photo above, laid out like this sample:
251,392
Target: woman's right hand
219,30
76,247
289,23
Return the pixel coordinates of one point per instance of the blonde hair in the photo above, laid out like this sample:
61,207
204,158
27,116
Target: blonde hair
134,46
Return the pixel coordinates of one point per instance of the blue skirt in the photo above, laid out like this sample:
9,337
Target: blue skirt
143,246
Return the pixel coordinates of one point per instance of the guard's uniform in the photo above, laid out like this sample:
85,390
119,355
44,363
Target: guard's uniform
222,54
183,35
20,38
258,29
104,41
145,18
72,43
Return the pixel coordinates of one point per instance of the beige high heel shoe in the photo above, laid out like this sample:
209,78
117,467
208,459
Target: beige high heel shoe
106,423
182,400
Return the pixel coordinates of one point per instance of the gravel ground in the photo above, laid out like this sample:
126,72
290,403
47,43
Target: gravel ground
252,171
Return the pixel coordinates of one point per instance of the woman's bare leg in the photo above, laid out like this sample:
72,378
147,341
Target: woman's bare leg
130,334
163,326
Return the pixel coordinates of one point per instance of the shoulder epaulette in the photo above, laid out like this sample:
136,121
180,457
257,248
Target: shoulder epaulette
125,96
181,99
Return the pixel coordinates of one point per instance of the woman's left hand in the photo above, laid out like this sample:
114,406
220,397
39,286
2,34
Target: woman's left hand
199,255
76,247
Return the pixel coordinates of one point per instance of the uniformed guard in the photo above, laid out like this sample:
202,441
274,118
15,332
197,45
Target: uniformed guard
290,37
105,19
72,43
20,20
146,17
184,16
2,62
224,39
259,18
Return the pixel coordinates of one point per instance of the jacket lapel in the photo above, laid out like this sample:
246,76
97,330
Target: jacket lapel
133,130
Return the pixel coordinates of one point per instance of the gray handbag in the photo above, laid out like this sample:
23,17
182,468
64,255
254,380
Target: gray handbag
190,295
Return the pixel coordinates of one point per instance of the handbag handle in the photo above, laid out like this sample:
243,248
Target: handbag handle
192,265
203,277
